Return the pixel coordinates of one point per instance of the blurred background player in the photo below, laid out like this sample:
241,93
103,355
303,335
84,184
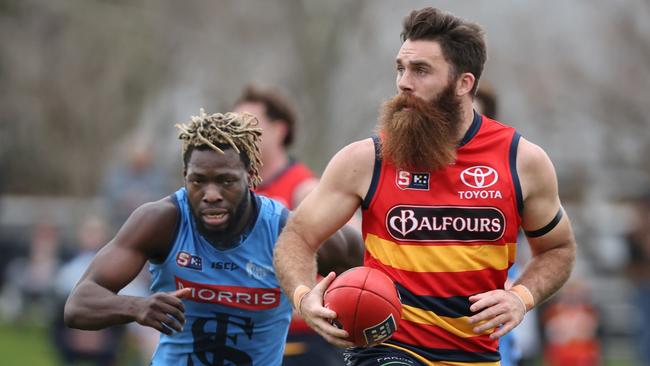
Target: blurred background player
288,180
284,178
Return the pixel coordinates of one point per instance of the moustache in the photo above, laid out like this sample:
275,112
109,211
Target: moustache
410,101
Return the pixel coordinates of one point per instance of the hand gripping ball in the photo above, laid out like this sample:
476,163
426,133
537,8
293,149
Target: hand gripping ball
366,303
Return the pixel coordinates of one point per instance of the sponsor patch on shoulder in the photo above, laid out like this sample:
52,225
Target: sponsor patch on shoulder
187,260
412,180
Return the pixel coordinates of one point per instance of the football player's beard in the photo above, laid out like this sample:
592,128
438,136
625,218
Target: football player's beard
416,134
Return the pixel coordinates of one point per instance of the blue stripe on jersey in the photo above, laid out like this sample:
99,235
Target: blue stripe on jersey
236,313
375,174
513,172
452,307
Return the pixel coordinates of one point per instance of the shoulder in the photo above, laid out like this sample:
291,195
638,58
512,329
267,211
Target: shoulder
534,167
161,211
358,155
539,186
352,166
150,228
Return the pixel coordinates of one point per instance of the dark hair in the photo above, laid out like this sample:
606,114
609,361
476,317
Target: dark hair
462,42
277,108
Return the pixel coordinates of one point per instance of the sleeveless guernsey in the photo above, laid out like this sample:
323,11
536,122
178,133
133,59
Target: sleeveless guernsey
443,236
282,186
236,313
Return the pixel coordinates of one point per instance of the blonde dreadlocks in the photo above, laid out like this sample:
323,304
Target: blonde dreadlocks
237,130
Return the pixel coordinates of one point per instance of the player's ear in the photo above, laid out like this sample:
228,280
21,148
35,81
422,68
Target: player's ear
281,129
465,83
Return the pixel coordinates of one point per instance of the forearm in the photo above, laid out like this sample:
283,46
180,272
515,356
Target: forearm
294,261
546,272
93,307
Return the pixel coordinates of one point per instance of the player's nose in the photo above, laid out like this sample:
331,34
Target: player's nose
212,193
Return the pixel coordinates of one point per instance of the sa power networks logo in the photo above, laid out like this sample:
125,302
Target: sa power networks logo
187,260
411,180
479,177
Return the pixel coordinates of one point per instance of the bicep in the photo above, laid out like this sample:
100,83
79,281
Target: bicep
335,199
303,190
145,235
541,201
115,266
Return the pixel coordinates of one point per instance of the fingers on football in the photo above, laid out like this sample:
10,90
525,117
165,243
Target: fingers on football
323,284
338,342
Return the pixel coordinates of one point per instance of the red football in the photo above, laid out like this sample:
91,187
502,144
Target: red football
366,303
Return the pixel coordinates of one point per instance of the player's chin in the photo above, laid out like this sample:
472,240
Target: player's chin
215,228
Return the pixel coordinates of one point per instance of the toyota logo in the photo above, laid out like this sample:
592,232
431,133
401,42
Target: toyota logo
479,176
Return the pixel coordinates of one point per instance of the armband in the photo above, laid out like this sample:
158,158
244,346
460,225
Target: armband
548,227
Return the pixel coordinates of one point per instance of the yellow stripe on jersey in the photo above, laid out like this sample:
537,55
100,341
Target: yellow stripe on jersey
449,363
440,258
441,363
460,327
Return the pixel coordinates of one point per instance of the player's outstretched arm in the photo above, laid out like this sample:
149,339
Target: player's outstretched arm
326,209
94,303
552,243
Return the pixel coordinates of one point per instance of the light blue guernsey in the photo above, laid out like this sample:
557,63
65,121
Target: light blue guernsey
236,313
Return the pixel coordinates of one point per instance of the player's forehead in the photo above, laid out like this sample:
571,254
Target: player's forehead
420,52
211,162
258,109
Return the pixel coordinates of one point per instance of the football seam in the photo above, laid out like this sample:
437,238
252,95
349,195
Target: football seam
356,306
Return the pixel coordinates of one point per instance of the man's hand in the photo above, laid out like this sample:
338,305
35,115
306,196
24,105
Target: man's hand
320,318
163,311
499,309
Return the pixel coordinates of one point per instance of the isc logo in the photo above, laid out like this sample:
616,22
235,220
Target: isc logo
185,259
230,266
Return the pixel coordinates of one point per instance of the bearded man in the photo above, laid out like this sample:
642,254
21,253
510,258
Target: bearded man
443,191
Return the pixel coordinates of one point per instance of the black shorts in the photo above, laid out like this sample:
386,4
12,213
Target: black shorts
378,356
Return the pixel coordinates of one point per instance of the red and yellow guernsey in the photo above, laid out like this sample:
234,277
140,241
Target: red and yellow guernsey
443,236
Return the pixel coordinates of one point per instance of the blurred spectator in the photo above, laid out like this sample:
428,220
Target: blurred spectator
132,182
28,288
96,347
571,325
638,270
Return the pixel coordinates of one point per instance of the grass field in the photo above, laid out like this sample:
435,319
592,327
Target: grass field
29,344
26,345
